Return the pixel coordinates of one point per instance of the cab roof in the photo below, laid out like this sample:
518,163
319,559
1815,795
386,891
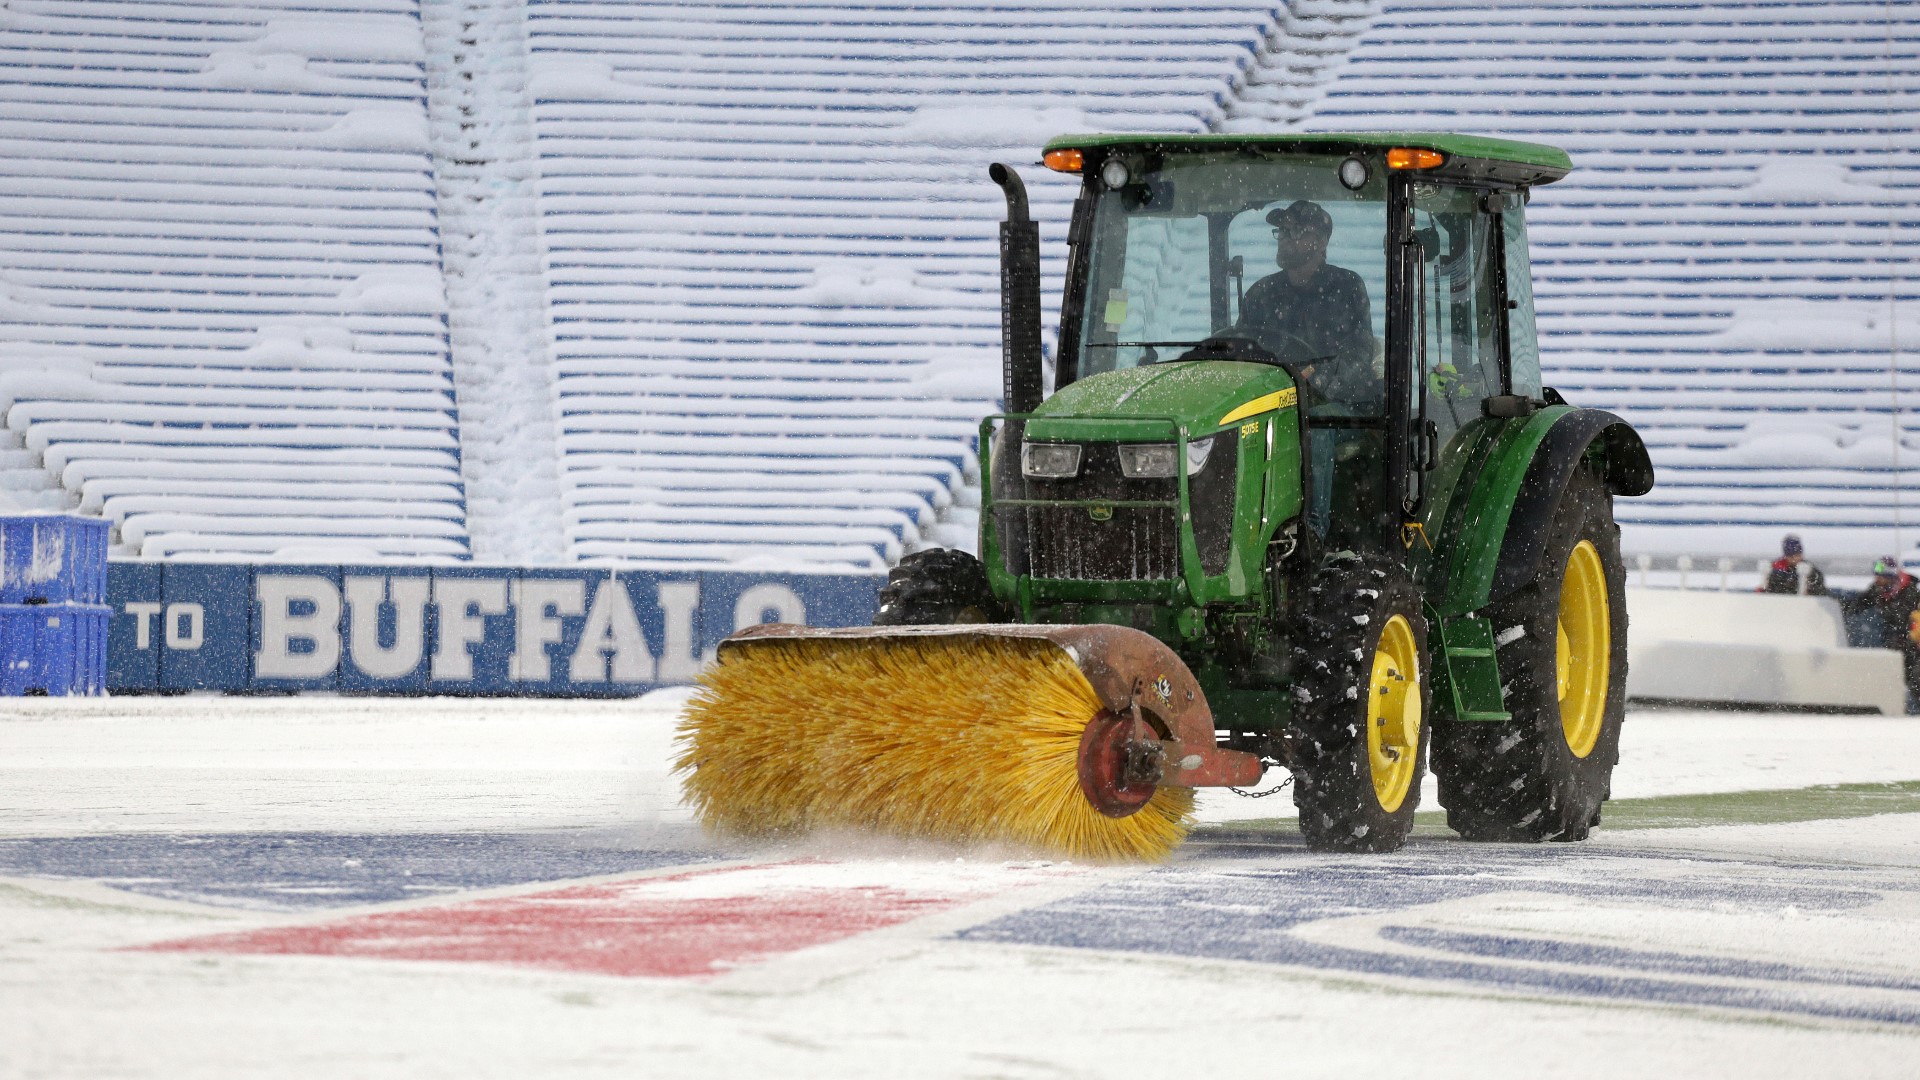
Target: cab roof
1475,157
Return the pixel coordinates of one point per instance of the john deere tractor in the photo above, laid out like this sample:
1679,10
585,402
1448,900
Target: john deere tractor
1298,498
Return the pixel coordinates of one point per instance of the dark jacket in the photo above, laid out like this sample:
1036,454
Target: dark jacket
1891,606
1328,320
1784,577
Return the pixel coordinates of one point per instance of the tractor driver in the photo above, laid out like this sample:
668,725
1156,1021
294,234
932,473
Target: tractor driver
1312,313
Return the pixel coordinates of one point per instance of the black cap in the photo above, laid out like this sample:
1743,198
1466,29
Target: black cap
1302,212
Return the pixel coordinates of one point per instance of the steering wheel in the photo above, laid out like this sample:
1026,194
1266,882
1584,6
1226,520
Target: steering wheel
1231,347
1298,350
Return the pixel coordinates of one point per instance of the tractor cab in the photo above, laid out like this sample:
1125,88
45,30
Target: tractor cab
1386,275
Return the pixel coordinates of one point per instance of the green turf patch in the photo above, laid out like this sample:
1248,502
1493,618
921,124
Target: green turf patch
1828,802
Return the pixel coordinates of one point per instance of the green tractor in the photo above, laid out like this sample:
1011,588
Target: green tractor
1298,439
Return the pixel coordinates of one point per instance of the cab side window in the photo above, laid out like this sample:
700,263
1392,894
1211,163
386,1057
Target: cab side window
1457,322
1523,340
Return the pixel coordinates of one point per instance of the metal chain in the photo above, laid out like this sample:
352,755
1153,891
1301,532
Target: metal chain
1262,794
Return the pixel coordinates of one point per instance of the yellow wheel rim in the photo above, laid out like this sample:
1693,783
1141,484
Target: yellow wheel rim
1393,713
1583,649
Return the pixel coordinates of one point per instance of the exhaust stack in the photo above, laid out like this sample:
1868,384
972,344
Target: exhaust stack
1019,295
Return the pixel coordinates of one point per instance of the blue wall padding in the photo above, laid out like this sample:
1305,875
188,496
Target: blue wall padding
538,631
204,630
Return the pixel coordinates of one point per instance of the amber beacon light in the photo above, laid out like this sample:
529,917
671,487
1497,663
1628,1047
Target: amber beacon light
1402,157
1065,160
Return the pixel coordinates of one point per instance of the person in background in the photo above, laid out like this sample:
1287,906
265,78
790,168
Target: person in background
1911,651
1891,610
1792,573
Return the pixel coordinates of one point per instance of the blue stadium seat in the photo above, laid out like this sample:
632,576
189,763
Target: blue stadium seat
1730,266
225,321
771,249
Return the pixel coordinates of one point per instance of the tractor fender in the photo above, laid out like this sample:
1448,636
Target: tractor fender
1572,439
1518,489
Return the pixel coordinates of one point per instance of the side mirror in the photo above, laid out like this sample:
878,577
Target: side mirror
1509,406
1500,202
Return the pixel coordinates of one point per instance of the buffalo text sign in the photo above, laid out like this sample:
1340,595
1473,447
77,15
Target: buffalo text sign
445,630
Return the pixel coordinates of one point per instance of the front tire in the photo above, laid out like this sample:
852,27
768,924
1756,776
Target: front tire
939,585
1562,651
1359,731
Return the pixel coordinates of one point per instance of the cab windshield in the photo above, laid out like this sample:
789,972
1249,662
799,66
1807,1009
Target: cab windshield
1274,253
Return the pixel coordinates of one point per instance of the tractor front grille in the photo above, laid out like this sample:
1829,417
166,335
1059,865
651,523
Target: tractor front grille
1071,530
1083,537
1136,543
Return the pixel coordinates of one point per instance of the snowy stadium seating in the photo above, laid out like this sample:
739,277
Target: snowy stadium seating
771,249
1730,265
768,250
225,323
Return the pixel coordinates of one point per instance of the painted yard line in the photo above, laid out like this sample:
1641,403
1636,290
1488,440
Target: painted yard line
1652,961
82,895
697,923
108,896
1825,802
529,888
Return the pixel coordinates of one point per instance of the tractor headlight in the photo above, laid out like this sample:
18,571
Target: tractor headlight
1050,461
1143,461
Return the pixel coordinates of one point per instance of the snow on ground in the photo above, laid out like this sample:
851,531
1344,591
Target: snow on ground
244,763
321,886
76,765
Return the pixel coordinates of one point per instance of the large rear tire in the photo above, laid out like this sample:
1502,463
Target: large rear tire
1359,732
939,585
1562,651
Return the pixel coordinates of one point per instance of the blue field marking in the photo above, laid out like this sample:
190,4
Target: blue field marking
1501,946
1229,910
299,871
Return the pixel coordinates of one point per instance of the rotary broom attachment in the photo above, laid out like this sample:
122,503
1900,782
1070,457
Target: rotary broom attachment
1080,741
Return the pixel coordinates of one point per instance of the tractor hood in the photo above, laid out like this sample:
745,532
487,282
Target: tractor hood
1134,404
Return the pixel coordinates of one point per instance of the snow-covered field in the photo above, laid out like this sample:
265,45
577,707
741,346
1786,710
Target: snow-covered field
334,886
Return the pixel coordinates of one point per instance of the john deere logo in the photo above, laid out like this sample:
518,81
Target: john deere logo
1100,513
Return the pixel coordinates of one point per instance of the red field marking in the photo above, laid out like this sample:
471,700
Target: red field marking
613,928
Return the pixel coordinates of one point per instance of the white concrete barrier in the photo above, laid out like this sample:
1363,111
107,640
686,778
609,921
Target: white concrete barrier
1754,648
